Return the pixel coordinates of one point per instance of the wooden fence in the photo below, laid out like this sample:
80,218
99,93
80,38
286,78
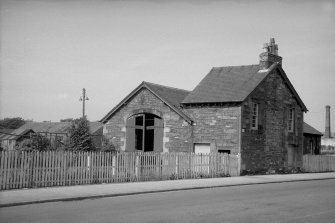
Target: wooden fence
319,163
59,168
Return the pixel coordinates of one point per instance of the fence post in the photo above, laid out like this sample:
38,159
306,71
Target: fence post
238,164
136,167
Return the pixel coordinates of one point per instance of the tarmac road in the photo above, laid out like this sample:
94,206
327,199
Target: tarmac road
305,201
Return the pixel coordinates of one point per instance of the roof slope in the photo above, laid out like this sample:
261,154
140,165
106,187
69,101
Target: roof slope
14,134
234,84
172,95
226,84
57,127
169,95
310,130
4,133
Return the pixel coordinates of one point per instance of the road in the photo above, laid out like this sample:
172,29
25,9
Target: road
306,201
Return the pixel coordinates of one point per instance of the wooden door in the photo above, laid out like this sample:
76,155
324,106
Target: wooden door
158,134
130,134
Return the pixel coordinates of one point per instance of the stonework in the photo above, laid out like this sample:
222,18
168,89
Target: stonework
240,109
177,133
271,146
219,126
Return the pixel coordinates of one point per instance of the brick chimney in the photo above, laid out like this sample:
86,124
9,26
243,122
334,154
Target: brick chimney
270,55
327,130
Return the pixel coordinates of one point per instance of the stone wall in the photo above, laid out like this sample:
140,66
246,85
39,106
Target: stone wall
177,132
218,126
268,147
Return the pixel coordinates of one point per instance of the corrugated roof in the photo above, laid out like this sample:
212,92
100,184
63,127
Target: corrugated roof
310,130
226,84
15,134
5,132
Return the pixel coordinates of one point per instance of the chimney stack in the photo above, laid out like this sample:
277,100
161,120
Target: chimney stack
270,55
327,130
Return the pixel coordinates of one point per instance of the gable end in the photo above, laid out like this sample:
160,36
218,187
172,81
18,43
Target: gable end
145,85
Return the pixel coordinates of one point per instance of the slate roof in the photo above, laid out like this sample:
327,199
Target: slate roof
221,85
234,84
172,95
310,130
169,95
226,84
57,127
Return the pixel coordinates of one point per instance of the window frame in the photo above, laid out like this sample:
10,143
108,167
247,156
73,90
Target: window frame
254,116
291,120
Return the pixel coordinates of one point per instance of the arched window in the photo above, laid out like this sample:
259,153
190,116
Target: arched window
144,132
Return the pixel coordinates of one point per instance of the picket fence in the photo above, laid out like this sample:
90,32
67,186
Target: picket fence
319,163
62,168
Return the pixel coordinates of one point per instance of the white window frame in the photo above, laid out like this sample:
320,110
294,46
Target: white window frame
291,120
254,116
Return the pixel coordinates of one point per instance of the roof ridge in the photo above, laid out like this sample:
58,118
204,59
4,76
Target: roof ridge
237,66
145,82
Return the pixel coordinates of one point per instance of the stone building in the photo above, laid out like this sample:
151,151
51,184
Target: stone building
251,110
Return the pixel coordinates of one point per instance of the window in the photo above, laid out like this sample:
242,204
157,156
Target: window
254,116
291,120
144,132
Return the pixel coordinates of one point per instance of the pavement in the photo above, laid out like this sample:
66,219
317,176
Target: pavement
17,197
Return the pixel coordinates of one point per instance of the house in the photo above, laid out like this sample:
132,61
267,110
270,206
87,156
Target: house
59,131
312,140
251,110
10,138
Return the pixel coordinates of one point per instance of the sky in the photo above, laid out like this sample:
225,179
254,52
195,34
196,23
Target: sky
51,49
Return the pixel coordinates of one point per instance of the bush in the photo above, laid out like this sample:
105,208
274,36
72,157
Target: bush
35,142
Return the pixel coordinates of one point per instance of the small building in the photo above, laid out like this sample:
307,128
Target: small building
58,132
10,138
250,110
312,140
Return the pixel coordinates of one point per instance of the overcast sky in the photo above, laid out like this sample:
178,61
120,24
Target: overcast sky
51,49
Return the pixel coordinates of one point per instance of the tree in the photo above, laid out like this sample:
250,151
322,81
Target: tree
11,123
80,139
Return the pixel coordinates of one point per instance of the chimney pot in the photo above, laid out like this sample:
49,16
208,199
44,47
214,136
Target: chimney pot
272,41
270,55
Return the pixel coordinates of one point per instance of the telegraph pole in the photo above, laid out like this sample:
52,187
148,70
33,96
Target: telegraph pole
83,99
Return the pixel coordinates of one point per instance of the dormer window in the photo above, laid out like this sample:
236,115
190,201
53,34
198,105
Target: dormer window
291,114
254,116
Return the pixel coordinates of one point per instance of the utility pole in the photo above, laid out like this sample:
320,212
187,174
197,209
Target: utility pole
83,99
